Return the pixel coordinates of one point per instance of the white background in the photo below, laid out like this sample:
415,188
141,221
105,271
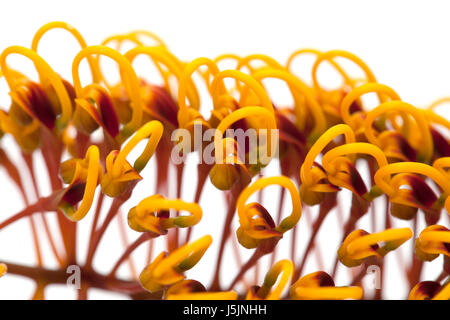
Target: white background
404,42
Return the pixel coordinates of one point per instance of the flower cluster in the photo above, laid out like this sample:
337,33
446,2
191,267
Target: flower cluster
323,141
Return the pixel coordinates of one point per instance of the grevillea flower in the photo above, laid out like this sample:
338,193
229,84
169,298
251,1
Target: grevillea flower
326,141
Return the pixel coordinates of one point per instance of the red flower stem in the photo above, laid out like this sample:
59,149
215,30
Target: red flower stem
235,191
415,271
90,278
32,209
14,174
180,169
98,209
202,171
114,209
327,204
149,253
51,152
146,236
28,158
247,266
278,219
123,235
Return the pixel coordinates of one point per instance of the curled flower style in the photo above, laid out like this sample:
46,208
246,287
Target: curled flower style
142,217
83,176
256,224
298,88
188,114
131,84
167,269
119,173
313,177
394,144
75,33
31,102
320,286
415,197
341,170
430,290
224,173
360,245
285,268
433,241
355,118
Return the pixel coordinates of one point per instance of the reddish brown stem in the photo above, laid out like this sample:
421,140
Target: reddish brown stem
141,239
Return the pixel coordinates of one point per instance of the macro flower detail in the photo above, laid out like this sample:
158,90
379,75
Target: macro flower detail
226,155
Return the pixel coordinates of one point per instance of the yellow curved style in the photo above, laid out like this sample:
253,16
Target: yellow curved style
141,218
331,160
317,148
93,169
326,56
433,241
297,86
382,91
320,286
246,113
425,145
383,176
285,268
46,74
161,55
257,88
287,223
360,245
76,34
119,171
168,269
184,117
129,78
